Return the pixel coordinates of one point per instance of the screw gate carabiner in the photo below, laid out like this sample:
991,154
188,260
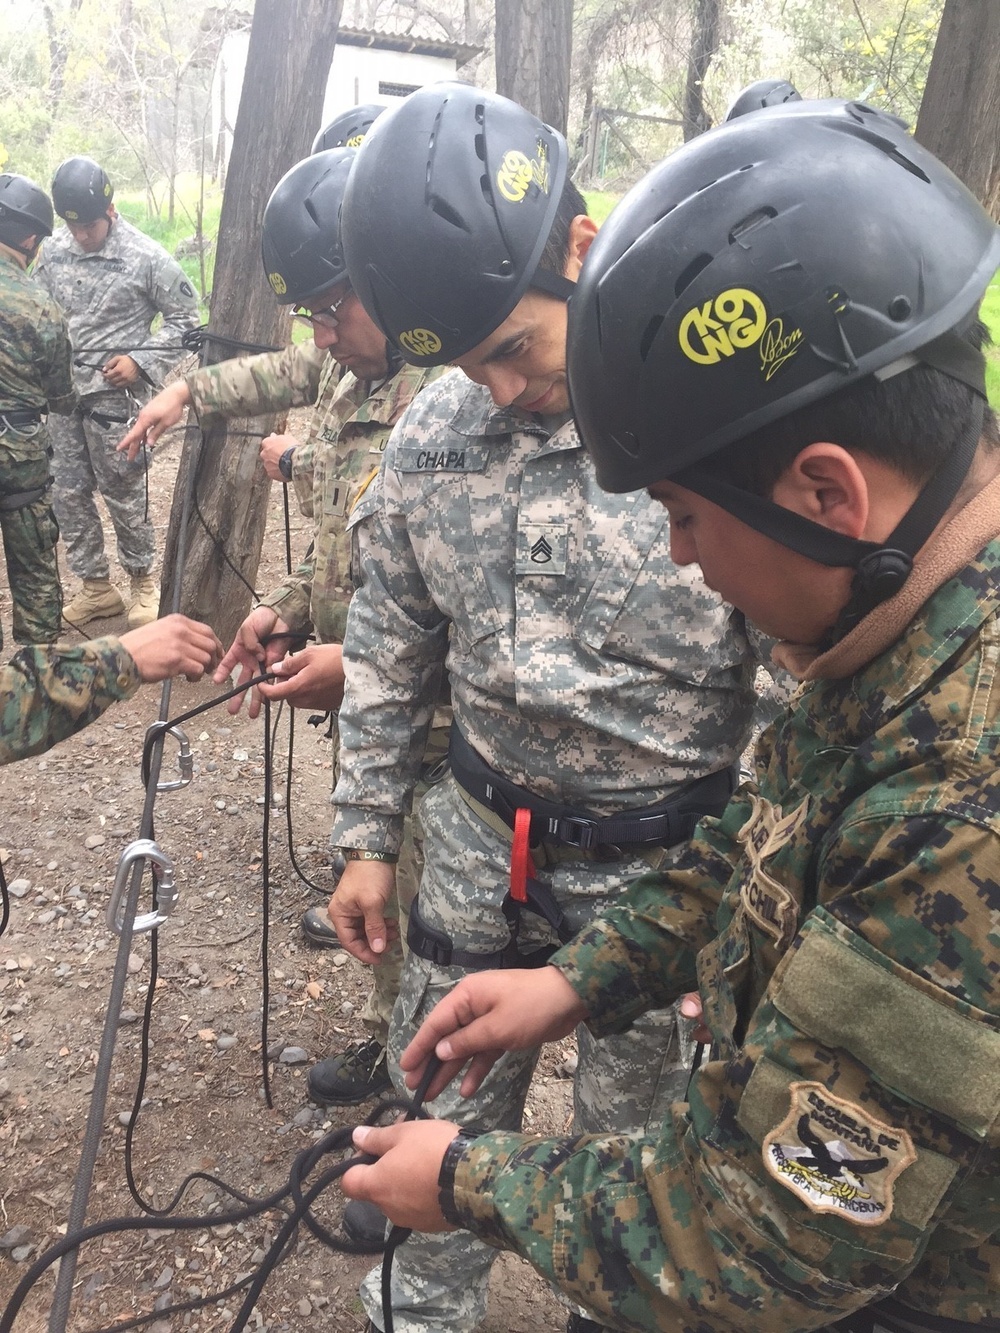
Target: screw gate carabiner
167,892
185,759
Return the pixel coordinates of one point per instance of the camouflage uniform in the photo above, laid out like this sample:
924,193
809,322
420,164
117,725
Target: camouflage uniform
34,376
488,548
348,431
50,693
111,298
841,919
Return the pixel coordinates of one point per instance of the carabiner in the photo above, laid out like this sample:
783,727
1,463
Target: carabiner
185,759
167,892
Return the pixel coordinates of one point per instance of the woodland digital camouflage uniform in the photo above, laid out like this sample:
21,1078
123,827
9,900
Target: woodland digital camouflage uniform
487,542
111,298
841,921
348,430
34,375
49,693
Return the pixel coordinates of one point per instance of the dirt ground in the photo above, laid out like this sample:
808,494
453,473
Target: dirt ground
66,817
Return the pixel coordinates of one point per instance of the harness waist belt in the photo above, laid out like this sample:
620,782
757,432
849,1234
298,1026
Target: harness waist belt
669,822
891,1316
27,416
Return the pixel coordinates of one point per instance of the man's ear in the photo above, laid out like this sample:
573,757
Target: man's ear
825,484
582,231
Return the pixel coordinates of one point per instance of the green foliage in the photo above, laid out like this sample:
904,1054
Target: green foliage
600,203
991,315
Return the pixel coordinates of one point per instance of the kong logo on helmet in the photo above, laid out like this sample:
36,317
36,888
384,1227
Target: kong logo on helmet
731,322
420,342
518,172
355,141
278,284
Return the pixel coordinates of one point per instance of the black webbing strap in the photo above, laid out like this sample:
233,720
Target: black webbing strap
670,822
436,947
20,416
891,1316
21,499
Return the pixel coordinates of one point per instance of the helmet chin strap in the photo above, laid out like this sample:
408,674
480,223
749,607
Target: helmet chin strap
554,284
881,568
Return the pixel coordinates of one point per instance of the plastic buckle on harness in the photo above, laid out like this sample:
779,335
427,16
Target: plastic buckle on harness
575,832
185,759
167,892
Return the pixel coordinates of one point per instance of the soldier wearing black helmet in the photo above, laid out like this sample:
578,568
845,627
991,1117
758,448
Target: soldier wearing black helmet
777,336
35,378
348,129
113,281
489,552
760,95
357,387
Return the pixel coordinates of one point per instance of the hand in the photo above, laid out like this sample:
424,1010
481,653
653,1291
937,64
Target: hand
486,1014
159,414
173,646
357,908
271,449
251,656
691,1008
312,678
121,370
404,1180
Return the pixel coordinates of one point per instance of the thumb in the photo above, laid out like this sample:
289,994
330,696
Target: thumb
375,930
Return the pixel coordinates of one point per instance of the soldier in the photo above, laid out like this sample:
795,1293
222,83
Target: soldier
777,334
359,386
35,378
49,693
487,549
112,281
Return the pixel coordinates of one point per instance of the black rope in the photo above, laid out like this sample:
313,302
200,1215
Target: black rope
196,340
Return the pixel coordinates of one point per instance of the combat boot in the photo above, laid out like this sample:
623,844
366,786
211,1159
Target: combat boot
144,604
96,600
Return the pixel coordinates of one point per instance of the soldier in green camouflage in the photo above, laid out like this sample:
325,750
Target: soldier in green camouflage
50,692
776,334
35,378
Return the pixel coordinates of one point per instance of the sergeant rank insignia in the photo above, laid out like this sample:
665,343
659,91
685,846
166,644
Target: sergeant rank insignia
836,1157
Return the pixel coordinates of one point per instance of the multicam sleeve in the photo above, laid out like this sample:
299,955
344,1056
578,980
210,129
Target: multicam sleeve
51,691
252,385
394,652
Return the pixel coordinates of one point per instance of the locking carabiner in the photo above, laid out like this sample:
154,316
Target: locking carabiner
167,892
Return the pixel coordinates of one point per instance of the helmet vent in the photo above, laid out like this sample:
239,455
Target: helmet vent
481,147
688,275
649,334
444,210
758,219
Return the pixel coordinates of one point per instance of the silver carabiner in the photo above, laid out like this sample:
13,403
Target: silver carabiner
185,759
167,892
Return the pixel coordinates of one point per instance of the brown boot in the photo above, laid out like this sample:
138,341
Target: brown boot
144,604
96,600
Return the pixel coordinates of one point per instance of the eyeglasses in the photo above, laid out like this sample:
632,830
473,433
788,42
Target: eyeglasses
322,319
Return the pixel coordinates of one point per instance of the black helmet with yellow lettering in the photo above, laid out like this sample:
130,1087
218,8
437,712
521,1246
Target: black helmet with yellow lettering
25,210
760,95
446,216
300,231
81,190
761,268
348,129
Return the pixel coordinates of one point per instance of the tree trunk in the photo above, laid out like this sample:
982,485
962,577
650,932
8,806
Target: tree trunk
959,117
291,47
704,44
534,39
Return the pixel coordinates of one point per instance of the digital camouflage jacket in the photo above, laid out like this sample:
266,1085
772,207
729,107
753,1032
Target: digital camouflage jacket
347,436
487,545
50,691
841,922
35,351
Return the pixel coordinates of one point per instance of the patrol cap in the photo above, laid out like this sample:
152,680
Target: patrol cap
762,267
25,208
81,190
349,128
760,95
446,216
300,232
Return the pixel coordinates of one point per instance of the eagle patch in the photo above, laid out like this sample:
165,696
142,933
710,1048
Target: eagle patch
836,1157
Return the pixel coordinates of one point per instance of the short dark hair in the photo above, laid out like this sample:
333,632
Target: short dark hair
911,421
556,252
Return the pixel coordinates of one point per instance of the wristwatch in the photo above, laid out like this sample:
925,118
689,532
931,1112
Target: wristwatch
285,462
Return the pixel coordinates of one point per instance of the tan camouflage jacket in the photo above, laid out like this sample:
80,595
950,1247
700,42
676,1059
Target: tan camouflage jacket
486,547
347,435
50,691
841,920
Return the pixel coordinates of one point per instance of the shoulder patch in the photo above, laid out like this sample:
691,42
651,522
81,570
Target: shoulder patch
835,1157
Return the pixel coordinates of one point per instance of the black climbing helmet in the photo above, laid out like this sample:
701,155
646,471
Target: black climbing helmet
25,210
81,190
763,267
446,216
760,95
300,233
348,129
